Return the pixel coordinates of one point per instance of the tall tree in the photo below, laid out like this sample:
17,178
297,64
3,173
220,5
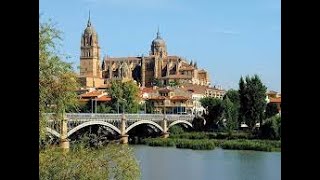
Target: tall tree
252,100
57,81
233,96
230,114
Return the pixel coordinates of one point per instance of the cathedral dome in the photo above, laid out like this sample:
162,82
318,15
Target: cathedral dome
89,30
158,41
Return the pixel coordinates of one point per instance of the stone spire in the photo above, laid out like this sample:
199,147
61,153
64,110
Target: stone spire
89,21
158,33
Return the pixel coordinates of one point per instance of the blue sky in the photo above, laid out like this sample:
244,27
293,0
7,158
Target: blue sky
229,38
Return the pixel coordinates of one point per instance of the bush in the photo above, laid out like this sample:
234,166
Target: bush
111,162
191,135
176,130
195,144
257,145
246,145
271,128
159,142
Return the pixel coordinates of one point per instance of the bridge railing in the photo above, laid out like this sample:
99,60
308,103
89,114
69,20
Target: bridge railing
117,117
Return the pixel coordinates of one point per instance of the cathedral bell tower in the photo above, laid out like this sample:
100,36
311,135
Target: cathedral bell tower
159,51
90,53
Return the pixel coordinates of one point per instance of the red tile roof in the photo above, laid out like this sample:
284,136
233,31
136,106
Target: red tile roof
147,90
179,98
275,100
195,88
104,98
164,90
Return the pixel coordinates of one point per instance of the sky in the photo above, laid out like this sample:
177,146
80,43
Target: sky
228,38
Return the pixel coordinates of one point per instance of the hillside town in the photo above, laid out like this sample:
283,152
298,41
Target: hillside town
171,83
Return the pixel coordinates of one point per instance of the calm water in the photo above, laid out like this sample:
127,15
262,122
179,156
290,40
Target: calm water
161,163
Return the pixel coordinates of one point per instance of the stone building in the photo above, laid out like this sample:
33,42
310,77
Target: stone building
171,101
158,68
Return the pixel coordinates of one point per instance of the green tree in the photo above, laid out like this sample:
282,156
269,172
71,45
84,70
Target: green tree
104,108
57,81
234,97
215,114
230,114
252,100
147,106
125,95
270,129
271,110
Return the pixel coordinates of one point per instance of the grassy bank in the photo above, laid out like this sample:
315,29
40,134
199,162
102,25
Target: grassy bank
207,141
211,135
247,145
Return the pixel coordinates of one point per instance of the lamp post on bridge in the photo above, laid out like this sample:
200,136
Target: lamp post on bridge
91,106
118,106
95,105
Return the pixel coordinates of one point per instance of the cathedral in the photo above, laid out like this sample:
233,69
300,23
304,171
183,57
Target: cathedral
158,68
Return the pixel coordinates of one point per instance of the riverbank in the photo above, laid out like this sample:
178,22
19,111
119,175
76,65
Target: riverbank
111,162
208,141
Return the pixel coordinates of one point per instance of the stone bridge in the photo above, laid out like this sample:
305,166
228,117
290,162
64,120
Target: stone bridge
120,123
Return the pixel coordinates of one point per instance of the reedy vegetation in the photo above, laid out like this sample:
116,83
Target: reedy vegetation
110,162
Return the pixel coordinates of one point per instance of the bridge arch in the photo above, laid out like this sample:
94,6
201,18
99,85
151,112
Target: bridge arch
53,132
180,122
143,122
89,123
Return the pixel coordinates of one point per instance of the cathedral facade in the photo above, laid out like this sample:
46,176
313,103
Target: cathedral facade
158,68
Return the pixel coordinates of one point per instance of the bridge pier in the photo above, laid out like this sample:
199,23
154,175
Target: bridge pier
64,142
165,133
123,137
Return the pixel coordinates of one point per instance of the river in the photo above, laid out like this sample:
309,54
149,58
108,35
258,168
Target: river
169,163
